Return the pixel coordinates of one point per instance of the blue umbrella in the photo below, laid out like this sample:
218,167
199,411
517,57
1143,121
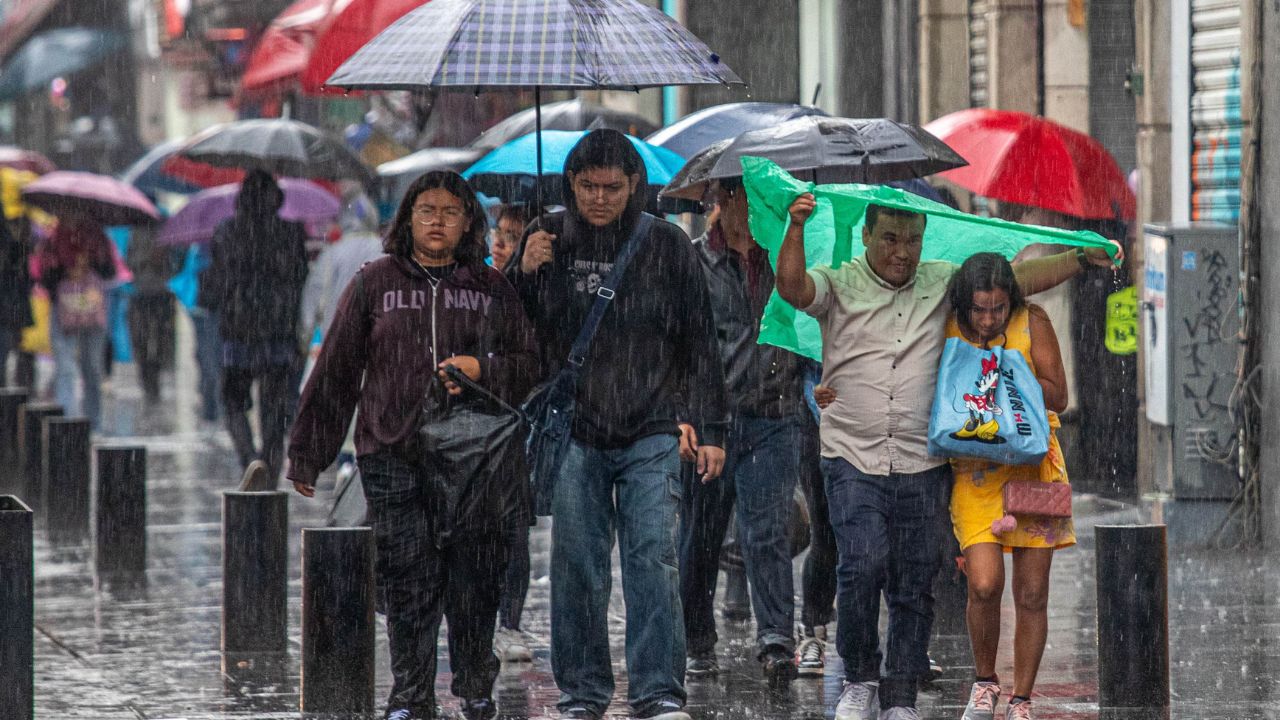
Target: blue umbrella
146,174
53,54
511,172
696,131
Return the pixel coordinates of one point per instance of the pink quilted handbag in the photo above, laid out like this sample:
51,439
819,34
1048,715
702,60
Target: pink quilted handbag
1042,499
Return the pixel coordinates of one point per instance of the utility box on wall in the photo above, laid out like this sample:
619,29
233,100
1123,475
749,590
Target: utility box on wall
1190,323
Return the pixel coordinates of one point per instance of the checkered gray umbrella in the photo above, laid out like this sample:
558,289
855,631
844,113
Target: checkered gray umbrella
553,44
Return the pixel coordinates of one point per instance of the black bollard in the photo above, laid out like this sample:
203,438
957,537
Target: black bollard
1133,616
120,514
30,457
337,621
65,491
255,573
11,398
17,610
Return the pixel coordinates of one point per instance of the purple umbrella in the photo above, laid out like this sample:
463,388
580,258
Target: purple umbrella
101,198
304,202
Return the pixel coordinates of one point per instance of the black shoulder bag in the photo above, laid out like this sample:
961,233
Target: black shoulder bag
551,410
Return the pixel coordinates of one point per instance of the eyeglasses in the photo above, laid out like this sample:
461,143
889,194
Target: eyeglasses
448,217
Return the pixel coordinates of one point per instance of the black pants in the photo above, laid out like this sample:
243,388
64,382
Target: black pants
277,401
151,332
422,583
819,575
515,585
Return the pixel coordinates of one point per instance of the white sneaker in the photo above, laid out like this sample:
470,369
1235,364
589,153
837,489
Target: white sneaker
900,713
511,646
982,702
858,701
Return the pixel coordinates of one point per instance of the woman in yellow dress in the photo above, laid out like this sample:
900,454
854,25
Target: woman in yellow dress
988,310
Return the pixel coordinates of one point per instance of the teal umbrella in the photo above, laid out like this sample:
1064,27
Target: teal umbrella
510,173
54,54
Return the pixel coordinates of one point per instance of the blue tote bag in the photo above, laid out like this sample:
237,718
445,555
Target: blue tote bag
988,405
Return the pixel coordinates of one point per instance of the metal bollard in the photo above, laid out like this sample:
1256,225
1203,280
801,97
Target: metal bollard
11,398
65,490
1133,616
30,457
17,610
337,621
120,514
255,573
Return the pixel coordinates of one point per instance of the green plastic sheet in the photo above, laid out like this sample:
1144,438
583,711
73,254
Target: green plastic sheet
833,236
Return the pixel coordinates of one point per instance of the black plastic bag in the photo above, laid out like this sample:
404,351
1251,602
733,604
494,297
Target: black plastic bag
472,448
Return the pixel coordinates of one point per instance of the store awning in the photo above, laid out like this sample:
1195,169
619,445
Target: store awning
21,18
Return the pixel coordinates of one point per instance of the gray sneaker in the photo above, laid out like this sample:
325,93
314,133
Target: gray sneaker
900,713
858,701
982,702
811,656
511,646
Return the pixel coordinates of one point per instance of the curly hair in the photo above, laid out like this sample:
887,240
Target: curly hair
471,248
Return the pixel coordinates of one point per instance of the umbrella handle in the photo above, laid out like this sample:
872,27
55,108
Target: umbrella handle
537,125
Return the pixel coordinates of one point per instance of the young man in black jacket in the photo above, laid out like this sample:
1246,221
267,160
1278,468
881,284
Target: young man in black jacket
656,343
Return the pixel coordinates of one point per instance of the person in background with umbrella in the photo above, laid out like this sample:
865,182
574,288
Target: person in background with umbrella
253,285
15,290
150,309
510,642
75,264
771,429
357,244
506,235
656,342
430,306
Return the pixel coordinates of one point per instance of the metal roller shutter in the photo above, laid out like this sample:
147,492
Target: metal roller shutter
1215,110
978,53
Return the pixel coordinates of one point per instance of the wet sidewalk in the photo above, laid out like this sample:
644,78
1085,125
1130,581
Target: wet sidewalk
105,656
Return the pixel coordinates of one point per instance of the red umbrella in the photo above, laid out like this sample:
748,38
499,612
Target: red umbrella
29,160
198,173
350,29
208,176
281,54
98,197
1028,160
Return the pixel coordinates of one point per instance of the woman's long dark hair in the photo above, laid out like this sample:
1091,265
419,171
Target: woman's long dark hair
471,248
983,272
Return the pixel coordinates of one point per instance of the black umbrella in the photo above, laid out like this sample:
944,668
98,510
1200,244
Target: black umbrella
397,175
568,115
824,150
280,146
695,131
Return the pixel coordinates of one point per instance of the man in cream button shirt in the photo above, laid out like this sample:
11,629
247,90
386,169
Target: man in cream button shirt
883,318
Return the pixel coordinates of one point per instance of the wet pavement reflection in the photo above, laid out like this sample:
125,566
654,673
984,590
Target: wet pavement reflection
109,648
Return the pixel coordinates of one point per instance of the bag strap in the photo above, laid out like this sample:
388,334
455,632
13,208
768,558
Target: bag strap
606,292
461,379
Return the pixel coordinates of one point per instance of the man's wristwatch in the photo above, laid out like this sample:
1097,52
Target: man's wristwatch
1082,258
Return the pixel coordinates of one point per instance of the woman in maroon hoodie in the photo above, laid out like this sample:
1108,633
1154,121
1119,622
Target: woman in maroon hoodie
430,303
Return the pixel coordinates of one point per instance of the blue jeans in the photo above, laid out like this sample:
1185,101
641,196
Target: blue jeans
759,479
635,490
209,361
887,533
78,354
